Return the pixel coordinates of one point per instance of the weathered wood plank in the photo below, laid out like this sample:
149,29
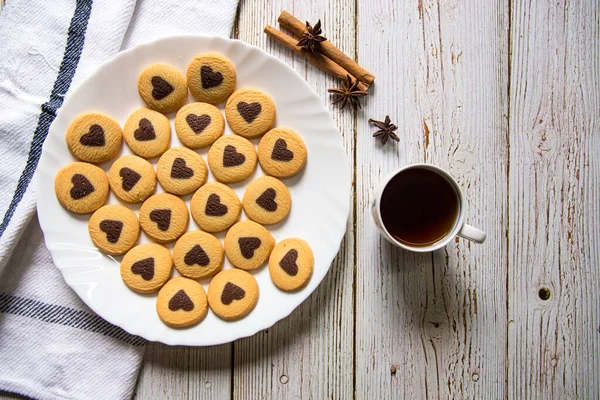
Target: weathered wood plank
309,354
434,325
185,372
554,230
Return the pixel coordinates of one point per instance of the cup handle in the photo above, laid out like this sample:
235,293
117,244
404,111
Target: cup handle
471,233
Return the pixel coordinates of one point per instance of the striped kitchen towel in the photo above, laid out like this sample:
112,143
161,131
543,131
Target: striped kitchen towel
51,345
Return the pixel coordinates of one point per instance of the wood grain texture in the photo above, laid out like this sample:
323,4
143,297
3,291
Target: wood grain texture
554,230
434,325
309,354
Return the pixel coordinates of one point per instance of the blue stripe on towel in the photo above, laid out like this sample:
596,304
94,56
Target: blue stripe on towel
67,316
68,66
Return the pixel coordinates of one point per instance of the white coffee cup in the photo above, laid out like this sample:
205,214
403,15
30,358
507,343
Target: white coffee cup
460,228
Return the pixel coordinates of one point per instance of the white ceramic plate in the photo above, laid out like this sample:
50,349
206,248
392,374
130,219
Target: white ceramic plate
320,194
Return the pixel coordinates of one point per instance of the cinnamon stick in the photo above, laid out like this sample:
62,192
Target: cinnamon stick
290,22
319,61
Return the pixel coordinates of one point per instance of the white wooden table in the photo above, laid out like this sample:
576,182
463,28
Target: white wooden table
505,94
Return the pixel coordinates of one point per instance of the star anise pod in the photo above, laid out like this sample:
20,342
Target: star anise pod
311,38
349,93
386,129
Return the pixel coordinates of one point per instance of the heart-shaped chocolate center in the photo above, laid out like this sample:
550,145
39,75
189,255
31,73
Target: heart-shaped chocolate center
209,78
130,178
198,123
232,292
231,158
181,301
161,88
267,200
94,138
280,151
81,187
214,207
162,217
112,229
180,170
288,262
144,267
145,132
248,245
249,111
197,255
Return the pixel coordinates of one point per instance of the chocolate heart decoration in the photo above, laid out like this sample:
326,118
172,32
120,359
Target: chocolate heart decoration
288,262
181,301
145,268
209,78
198,123
249,111
197,255
94,138
162,217
280,151
145,132
214,207
112,229
161,88
180,170
81,187
248,245
130,178
231,158
232,292
267,200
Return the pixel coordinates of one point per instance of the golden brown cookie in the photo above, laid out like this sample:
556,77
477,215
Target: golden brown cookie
282,153
164,217
198,255
233,294
181,303
248,245
267,200
232,159
163,88
147,267
291,264
114,229
211,78
94,137
132,179
147,133
250,113
81,187
199,125
215,207
181,171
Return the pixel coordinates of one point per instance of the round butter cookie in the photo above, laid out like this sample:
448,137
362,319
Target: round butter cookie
164,217
199,125
147,133
291,264
198,255
181,171
163,88
181,303
147,267
94,137
250,113
248,245
267,200
114,229
211,78
81,188
232,159
282,153
132,179
215,207
233,294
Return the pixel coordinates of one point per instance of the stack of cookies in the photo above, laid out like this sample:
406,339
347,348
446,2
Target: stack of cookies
83,188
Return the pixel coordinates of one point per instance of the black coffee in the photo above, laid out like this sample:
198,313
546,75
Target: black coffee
419,207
